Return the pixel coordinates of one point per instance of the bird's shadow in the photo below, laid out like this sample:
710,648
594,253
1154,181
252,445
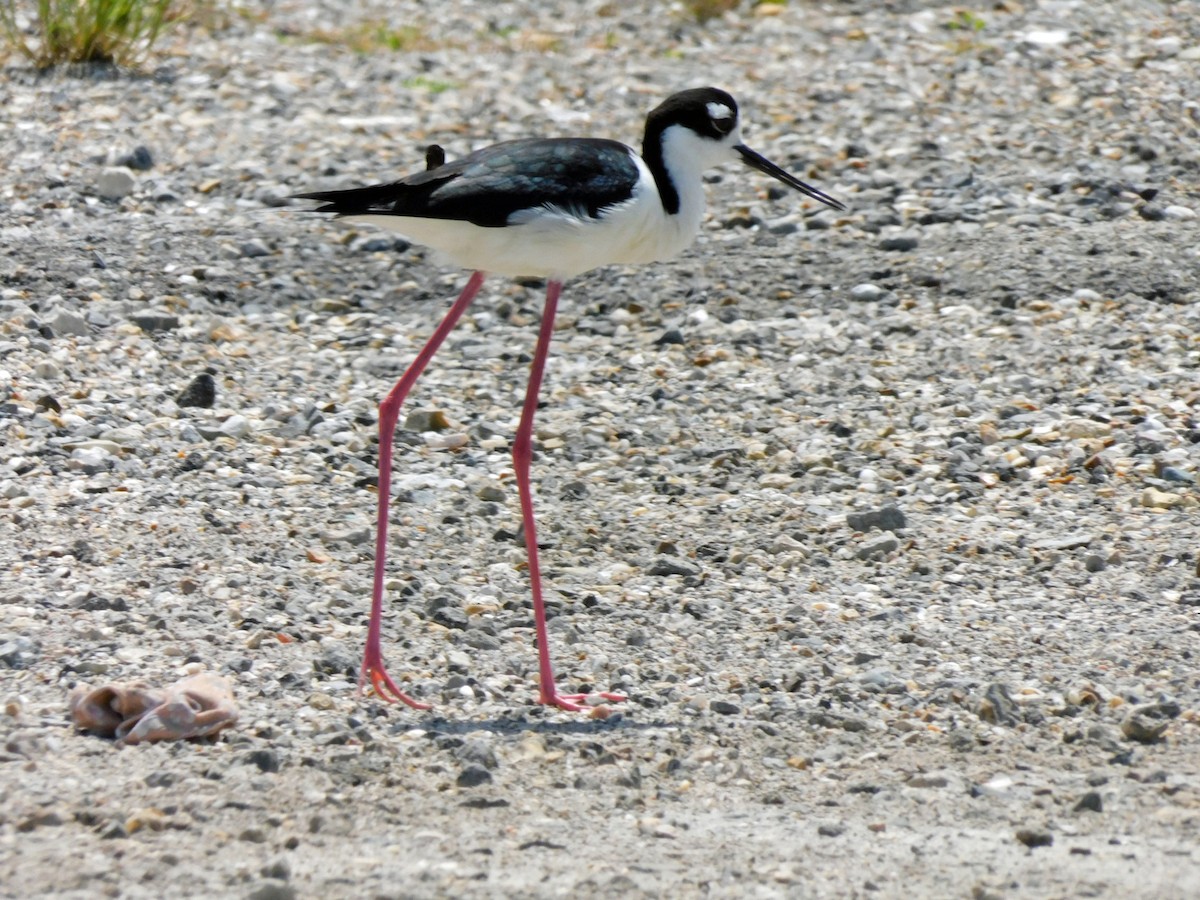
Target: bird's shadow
514,725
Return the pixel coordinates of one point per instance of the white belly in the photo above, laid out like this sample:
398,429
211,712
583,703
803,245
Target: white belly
549,243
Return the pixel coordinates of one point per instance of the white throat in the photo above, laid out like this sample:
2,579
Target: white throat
686,157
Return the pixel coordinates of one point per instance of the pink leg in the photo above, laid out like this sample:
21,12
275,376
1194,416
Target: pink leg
389,414
522,453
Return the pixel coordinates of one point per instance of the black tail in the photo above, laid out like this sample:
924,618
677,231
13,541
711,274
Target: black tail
379,198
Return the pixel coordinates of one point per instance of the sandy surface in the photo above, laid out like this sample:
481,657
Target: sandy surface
885,521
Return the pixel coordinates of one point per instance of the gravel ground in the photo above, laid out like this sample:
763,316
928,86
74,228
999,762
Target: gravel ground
884,520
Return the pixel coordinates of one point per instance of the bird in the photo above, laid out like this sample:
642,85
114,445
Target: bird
551,209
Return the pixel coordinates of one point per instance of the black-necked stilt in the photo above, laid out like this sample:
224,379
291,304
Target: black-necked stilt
549,208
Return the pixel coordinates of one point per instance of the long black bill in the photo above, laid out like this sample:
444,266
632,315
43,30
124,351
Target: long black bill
764,165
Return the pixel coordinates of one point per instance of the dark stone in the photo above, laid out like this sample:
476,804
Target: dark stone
277,869
888,518
1035,837
573,490
139,159
899,243
481,640
46,401
93,602
192,462
667,566
376,245
441,611
473,775
266,759
151,322
1090,802
670,336
201,392
823,718
865,788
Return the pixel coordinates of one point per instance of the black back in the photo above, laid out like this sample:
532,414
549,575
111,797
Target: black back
583,175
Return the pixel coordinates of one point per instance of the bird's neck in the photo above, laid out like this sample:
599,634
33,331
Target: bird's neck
652,153
678,174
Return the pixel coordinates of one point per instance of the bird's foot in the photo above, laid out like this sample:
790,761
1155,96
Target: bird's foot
383,686
580,702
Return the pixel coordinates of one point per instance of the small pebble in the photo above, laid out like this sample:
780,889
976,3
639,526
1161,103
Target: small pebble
272,889
140,159
999,707
878,548
866,293
1153,498
1035,837
899,243
253,249
115,182
422,420
153,322
888,518
1090,802
70,323
667,566
279,869
1147,723
237,426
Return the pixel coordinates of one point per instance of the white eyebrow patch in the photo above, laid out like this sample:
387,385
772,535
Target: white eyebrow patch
719,111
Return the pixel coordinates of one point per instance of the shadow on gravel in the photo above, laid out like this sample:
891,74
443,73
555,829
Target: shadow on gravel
614,723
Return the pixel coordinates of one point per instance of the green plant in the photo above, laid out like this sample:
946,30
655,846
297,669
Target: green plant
367,37
704,10
967,29
116,32
433,85
965,20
